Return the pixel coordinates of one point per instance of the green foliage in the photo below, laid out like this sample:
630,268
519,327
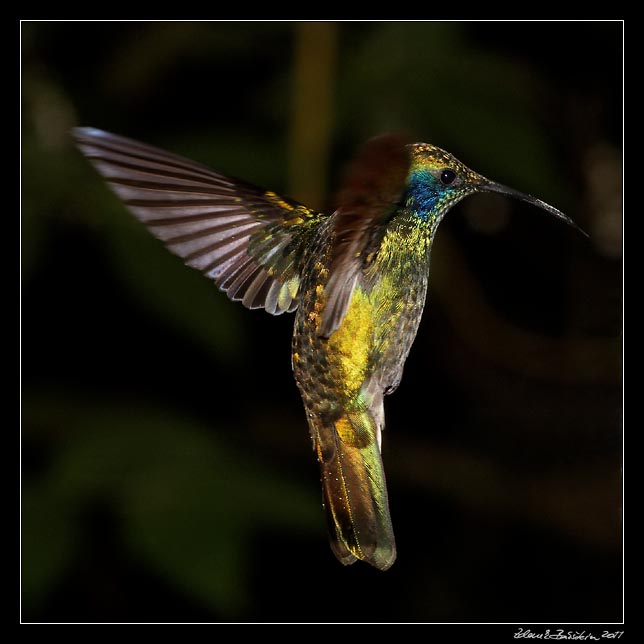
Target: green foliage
187,504
161,283
482,106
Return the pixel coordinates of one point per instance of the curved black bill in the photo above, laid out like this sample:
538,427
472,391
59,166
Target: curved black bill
510,192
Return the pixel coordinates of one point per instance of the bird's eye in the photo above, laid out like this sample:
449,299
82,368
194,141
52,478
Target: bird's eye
447,176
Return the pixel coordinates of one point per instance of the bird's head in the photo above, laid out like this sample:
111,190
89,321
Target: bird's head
436,181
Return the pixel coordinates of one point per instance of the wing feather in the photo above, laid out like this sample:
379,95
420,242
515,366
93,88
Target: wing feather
372,189
251,242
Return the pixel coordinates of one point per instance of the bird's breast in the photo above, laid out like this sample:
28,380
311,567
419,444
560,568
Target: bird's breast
369,347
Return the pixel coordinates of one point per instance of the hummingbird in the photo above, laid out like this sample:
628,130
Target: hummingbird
356,279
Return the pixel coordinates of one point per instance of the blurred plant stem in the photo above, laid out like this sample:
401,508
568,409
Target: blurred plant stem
312,110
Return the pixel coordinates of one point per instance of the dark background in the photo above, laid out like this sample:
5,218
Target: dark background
167,472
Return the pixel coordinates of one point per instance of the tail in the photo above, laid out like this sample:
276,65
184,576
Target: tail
354,488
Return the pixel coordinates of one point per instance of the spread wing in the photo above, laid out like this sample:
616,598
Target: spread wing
250,241
371,192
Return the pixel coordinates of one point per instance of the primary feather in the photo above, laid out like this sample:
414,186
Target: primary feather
248,240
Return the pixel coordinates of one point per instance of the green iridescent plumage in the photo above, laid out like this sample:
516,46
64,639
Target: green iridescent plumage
358,279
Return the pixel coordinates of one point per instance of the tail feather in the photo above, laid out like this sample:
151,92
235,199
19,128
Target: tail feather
354,488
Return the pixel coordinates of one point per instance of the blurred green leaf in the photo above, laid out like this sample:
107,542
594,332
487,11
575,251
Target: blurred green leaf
47,541
141,60
181,296
453,95
189,504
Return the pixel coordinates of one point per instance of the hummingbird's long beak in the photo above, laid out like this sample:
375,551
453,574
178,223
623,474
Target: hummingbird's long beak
492,186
